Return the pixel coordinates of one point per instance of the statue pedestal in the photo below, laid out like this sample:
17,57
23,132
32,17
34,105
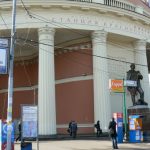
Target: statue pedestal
143,110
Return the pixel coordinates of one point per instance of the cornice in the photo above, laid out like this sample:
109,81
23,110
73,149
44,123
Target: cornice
83,6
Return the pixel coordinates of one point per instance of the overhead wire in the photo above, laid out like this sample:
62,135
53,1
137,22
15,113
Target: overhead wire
32,15
74,60
4,21
32,41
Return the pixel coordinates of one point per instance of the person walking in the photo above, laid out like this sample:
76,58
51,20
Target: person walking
113,133
74,129
97,126
69,128
19,129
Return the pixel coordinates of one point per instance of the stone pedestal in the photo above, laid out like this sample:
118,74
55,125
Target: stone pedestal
145,112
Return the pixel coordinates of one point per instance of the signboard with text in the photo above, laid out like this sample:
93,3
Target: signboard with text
3,56
29,121
116,85
130,83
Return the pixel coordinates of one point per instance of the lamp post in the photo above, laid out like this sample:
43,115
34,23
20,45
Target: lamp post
10,79
124,109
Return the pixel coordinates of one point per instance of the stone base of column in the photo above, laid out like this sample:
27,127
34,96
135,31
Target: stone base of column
145,112
47,137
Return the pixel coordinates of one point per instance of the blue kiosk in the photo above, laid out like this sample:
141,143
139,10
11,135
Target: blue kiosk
135,129
119,120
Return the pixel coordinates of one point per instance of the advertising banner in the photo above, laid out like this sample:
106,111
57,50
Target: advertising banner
3,56
135,128
0,134
4,136
119,120
3,61
29,121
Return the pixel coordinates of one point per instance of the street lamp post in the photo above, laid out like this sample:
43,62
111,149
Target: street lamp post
124,110
10,80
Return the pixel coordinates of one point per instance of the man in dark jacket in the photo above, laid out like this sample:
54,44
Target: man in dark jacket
74,129
113,133
19,128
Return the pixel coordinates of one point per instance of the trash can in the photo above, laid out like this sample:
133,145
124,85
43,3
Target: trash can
26,146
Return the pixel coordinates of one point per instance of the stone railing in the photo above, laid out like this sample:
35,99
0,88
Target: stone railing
120,4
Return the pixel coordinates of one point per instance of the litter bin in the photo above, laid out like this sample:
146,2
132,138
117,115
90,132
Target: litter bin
26,146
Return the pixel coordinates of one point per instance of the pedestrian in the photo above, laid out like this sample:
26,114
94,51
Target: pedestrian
19,129
74,129
99,130
69,130
113,133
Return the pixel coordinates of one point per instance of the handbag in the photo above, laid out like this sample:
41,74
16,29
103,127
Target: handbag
111,131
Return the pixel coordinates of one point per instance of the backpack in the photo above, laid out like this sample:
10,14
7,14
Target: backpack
111,131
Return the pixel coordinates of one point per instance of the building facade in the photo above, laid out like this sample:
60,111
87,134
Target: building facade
66,51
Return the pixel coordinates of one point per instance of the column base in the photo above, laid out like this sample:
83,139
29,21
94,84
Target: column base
47,137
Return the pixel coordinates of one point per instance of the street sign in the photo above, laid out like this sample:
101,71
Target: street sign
116,85
130,83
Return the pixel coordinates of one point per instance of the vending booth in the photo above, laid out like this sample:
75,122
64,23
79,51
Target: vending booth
135,128
119,128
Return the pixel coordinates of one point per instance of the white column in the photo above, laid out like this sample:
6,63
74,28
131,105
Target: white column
46,93
101,80
140,58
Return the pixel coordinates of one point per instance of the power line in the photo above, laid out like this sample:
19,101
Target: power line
4,21
32,15
32,41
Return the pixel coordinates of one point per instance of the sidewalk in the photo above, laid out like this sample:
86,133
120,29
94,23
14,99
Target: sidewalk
89,144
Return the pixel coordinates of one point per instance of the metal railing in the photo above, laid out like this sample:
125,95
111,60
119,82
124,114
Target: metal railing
117,3
113,3
120,4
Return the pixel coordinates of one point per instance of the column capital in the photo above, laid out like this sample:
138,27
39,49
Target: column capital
99,35
140,43
46,30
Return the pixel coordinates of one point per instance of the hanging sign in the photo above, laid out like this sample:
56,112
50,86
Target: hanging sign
116,85
130,83
3,56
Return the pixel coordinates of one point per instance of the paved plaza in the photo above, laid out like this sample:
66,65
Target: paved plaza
89,144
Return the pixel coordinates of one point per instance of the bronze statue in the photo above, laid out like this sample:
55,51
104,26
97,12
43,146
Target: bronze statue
135,76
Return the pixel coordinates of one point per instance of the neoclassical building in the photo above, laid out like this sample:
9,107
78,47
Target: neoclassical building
66,51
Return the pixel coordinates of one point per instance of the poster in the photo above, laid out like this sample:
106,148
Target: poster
3,61
29,121
3,56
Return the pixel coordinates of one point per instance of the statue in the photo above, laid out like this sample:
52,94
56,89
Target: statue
135,76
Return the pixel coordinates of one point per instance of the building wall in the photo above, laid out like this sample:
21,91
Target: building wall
74,85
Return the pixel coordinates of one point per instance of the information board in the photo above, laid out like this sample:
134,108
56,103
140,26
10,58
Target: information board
3,56
29,121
